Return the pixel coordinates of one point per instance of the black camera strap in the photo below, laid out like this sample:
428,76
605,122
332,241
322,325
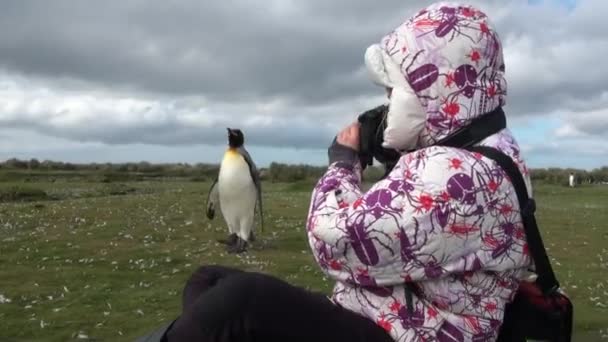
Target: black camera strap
546,278
466,138
479,129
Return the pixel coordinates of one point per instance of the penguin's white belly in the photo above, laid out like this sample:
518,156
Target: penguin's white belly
236,188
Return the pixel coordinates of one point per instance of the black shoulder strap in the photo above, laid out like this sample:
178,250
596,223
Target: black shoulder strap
546,278
477,130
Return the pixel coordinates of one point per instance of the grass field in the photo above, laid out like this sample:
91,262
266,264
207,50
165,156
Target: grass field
107,261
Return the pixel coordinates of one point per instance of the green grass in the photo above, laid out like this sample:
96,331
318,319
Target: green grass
109,260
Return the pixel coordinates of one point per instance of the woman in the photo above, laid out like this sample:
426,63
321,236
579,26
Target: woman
434,251
443,231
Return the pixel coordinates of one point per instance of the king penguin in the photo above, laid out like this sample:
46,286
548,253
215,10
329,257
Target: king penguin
237,190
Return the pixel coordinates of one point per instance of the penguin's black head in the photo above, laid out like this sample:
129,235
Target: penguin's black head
235,138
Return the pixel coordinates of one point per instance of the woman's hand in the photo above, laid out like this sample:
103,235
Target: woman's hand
345,146
349,136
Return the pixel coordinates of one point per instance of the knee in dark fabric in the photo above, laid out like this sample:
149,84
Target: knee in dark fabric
219,314
226,302
249,307
201,280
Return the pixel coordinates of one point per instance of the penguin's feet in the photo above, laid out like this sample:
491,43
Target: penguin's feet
230,241
239,247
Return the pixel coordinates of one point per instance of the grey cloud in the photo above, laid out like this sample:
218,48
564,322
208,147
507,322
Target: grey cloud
112,117
585,125
176,130
237,50
233,56
593,126
306,51
307,137
554,56
585,148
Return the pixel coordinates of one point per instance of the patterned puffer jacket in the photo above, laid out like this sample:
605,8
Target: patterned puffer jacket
444,227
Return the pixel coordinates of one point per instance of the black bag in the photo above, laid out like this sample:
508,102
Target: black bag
540,310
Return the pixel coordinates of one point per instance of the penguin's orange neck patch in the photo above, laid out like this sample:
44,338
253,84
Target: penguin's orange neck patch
231,153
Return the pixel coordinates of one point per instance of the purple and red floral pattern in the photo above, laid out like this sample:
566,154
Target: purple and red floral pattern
445,220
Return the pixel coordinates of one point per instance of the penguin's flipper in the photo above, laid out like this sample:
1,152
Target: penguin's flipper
255,175
213,200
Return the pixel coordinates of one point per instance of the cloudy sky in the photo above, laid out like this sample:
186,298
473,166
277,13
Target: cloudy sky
135,80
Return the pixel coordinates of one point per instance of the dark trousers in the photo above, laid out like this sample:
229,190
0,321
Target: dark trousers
226,304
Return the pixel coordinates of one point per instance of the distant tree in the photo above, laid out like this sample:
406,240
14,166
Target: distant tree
15,163
33,164
120,167
143,166
275,172
131,167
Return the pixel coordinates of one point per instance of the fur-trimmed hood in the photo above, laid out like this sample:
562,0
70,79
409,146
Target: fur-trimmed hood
445,67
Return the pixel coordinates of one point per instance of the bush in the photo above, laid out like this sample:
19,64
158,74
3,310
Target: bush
302,186
110,177
278,172
19,193
199,178
119,189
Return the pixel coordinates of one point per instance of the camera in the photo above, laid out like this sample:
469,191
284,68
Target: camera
372,125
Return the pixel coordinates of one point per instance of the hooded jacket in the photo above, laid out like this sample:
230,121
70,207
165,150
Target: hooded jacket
445,222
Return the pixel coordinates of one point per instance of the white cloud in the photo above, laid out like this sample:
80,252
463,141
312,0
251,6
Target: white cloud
576,124
289,75
568,131
112,118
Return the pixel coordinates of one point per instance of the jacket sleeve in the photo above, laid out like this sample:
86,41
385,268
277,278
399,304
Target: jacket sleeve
345,243
438,212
